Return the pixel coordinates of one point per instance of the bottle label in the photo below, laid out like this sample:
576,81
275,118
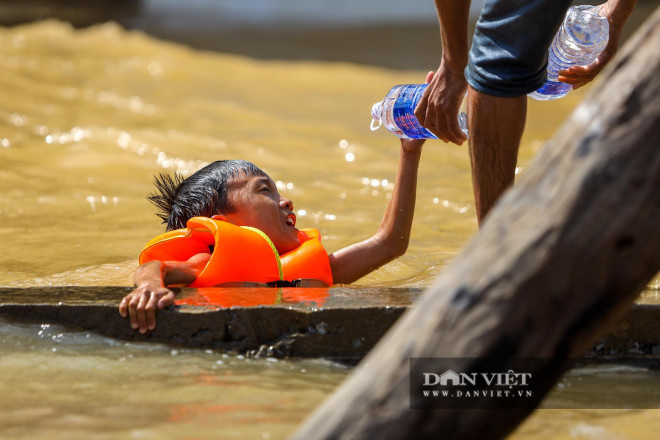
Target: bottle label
403,112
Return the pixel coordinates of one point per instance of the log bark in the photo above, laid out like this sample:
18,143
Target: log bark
560,258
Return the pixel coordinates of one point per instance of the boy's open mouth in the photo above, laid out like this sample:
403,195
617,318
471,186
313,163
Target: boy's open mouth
291,220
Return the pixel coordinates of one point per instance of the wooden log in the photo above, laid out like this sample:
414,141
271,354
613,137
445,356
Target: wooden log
562,256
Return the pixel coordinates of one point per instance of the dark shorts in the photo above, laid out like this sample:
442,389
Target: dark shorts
509,53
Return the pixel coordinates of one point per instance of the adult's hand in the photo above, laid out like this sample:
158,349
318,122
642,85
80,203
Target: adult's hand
438,109
616,12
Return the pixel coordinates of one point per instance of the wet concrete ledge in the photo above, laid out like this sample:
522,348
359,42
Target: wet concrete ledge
339,323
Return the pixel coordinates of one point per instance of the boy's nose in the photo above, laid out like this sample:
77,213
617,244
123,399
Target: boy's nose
286,203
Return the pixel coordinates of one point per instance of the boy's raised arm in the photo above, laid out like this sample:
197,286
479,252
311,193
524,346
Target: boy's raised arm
391,241
151,292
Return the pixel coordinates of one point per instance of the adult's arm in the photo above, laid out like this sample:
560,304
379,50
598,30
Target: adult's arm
438,108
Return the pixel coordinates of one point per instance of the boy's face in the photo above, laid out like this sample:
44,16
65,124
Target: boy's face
258,204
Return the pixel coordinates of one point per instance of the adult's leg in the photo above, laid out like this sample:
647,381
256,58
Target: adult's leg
507,60
496,126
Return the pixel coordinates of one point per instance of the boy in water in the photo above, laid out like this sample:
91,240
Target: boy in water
239,193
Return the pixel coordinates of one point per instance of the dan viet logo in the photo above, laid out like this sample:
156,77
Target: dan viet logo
447,388
470,381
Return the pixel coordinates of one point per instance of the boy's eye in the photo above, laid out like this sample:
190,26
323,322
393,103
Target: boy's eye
265,189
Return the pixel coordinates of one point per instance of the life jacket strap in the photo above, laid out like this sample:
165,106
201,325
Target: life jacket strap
300,282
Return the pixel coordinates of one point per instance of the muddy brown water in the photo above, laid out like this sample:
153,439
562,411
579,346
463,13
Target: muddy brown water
89,115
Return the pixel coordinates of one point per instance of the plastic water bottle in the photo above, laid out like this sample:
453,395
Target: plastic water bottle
397,113
581,38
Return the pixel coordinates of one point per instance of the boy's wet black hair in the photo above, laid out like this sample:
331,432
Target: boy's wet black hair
202,194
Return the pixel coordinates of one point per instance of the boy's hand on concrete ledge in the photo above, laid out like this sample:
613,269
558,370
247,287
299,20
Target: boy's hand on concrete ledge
151,293
142,303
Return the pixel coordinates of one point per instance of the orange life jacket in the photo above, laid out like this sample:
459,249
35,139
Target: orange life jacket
240,253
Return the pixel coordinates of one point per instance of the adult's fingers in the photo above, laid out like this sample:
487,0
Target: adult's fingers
433,119
430,119
455,134
578,75
439,128
423,107
424,111
420,113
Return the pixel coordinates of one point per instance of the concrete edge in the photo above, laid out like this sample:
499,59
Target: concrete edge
342,333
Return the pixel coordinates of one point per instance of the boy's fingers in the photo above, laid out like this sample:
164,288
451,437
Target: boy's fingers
141,314
166,300
132,312
150,312
123,307
141,307
151,319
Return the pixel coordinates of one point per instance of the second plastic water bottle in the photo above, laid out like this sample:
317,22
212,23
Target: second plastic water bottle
581,38
397,113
